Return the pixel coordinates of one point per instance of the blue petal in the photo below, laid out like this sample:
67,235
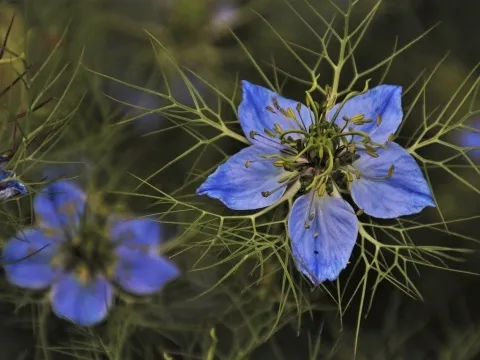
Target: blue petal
84,304
60,206
405,193
11,188
471,139
239,187
136,233
254,116
383,100
27,259
5,174
322,251
143,273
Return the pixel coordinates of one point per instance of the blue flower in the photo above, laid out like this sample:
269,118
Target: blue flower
472,139
10,186
81,263
326,153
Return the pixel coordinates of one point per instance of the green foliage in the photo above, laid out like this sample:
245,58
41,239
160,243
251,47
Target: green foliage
240,292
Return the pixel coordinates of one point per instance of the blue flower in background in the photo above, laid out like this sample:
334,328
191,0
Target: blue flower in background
10,186
342,150
472,139
82,263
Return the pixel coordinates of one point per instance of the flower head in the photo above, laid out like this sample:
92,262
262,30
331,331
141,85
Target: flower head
327,153
82,257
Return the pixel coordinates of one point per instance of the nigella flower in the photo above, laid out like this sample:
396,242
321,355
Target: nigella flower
327,153
81,259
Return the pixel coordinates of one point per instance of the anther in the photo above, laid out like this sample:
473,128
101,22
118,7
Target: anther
278,163
360,212
311,216
307,226
379,119
291,114
390,171
269,133
277,128
269,108
248,163
276,105
356,118
253,133
372,153
266,193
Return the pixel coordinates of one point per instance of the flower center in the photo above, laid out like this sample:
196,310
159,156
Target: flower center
321,155
89,253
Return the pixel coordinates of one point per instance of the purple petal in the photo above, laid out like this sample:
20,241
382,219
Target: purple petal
405,193
322,251
384,101
27,260
143,273
254,116
240,187
60,206
84,304
137,233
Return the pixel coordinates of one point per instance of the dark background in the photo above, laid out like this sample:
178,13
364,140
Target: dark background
109,38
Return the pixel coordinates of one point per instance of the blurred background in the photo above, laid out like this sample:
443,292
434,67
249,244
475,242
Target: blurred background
82,53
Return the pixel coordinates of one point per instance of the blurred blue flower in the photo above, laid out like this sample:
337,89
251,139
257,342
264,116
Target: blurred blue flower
10,186
81,263
342,150
471,139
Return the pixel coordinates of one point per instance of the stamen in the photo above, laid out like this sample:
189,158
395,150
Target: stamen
269,133
292,131
268,193
379,119
390,171
298,108
290,177
277,128
357,118
253,133
269,108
